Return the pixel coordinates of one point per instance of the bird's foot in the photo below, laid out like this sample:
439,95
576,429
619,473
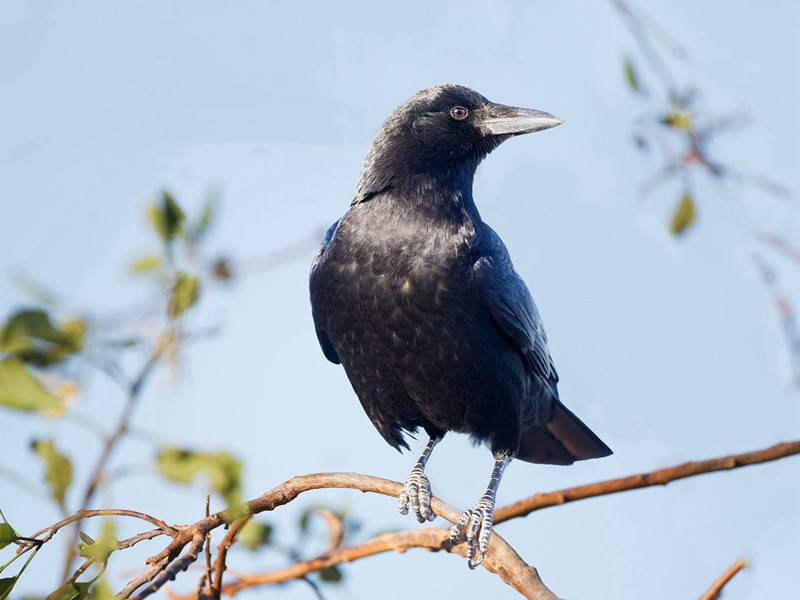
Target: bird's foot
478,522
417,493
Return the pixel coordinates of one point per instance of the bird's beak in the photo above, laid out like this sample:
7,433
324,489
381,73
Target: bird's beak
509,120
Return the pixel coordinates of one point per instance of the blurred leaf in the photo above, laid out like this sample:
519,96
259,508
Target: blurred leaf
255,534
58,473
678,120
166,217
185,292
683,216
98,550
198,229
101,591
6,585
223,471
20,389
332,574
71,591
85,537
145,264
632,77
31,335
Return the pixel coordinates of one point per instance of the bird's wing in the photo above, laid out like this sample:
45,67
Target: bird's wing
510,303
324,342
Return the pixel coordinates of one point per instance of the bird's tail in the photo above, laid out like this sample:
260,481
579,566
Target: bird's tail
561,441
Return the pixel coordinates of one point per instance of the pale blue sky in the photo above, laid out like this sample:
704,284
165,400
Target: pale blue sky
668,349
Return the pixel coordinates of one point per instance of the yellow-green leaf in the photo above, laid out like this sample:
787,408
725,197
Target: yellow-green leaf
678,120
185,293
98,550
683,216
255,534
223,471
21,389
31,335
631,76
166,217
7,535
71,591
6,585
145,264
58,469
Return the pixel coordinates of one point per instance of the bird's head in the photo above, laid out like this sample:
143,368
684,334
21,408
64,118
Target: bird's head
442,133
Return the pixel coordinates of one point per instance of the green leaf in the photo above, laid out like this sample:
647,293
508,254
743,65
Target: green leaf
101,591
6,585
683,216
332,574
71,591
199,229
146,264
222,470
58,473
255,534
21,389
185,293
32,336
680,120
166,217
7,535
98,550
632,77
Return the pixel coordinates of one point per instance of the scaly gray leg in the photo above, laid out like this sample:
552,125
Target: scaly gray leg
417,488
479,520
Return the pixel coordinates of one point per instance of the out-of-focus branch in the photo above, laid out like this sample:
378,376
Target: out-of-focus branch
109,445
714,591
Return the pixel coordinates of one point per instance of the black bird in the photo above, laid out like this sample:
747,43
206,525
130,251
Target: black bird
418,300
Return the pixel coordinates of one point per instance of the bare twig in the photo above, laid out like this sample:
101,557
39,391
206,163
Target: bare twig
633,482
109,445
501,558
222,554
713,592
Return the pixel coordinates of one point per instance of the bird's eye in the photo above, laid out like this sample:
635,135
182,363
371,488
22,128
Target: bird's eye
459,113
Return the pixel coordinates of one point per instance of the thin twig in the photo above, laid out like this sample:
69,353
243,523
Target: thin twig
713,592
633,482
109,446
222,554
520,576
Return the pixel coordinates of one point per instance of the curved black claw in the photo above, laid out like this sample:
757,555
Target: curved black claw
417,493
478,522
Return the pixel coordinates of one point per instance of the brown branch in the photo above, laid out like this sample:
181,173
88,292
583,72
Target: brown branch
501,558
634,482
222,553
714,591
109,446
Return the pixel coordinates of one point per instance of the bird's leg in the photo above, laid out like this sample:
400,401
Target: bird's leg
417,488
479,520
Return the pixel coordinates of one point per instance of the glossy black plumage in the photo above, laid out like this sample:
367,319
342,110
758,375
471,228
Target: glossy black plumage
418,299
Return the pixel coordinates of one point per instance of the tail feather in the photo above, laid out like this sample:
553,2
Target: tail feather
561,441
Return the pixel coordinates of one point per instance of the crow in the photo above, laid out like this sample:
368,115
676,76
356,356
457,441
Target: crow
417,298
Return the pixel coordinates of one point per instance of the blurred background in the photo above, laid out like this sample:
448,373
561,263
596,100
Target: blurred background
658,230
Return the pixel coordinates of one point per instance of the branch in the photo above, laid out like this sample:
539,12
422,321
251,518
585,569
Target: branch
634,482
109,446
714,591
500,559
